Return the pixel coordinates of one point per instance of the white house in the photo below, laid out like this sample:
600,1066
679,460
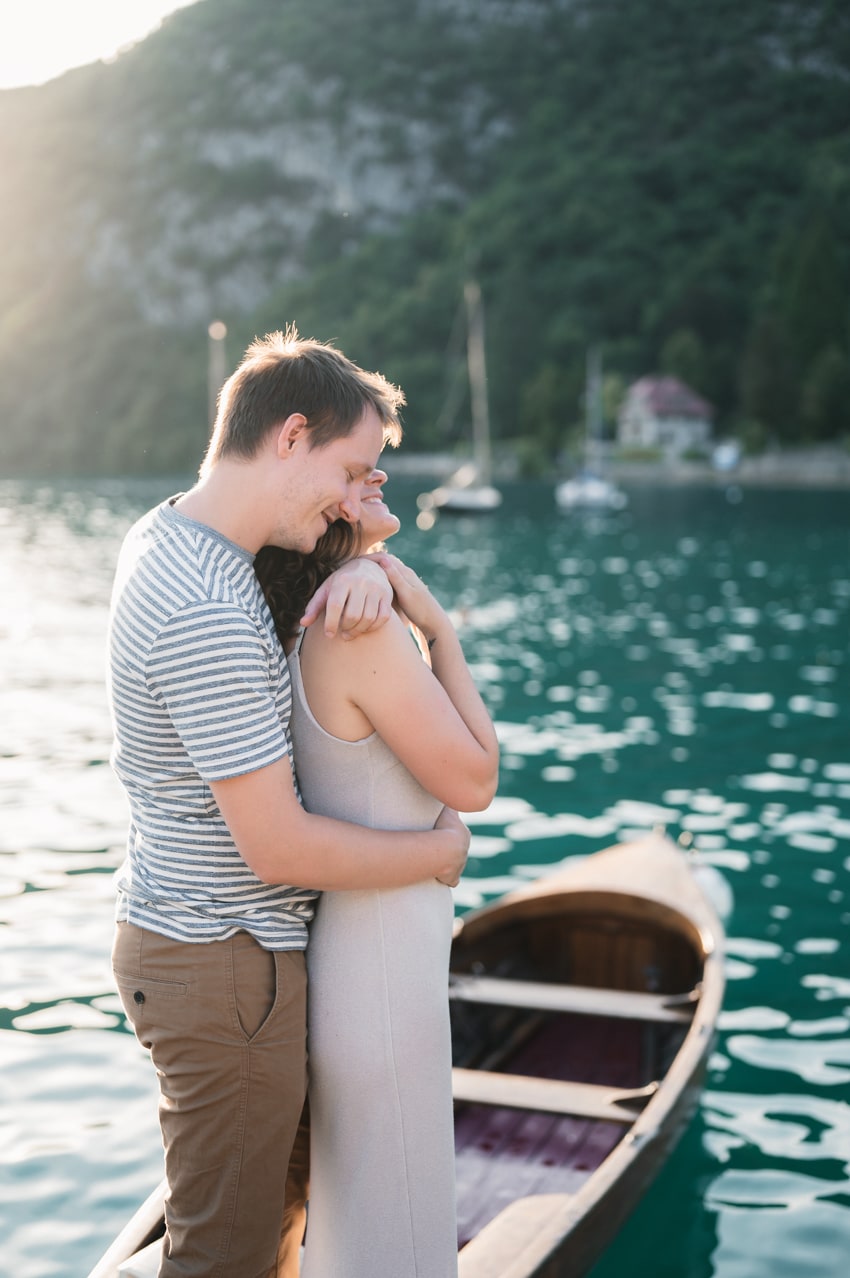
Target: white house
662,412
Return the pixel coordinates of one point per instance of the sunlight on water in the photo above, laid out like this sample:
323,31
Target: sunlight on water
682,663
793,1205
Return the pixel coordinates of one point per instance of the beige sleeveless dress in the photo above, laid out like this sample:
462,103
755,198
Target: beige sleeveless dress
382,1192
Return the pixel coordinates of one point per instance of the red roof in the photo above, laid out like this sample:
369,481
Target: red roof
668,397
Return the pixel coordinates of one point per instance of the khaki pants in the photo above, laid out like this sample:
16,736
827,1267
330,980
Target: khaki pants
225,1023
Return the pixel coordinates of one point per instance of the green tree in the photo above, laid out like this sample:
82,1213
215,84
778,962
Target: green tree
548,407
825,400
683,356
769,389
812,289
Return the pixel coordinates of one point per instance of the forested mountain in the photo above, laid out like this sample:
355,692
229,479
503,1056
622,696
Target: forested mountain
664,179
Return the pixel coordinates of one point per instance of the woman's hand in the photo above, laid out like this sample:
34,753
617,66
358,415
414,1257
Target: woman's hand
412,595
356,598
456,860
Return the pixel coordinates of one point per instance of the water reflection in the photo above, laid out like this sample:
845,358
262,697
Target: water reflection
681,663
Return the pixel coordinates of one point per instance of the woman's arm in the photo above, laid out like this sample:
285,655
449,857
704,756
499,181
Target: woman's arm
433,719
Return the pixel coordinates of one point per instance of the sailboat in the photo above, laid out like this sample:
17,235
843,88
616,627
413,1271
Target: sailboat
589,489
470,489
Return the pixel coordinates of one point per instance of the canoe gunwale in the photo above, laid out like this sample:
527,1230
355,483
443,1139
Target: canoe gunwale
141,1229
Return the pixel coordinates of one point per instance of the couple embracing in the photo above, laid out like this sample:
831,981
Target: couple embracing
295,728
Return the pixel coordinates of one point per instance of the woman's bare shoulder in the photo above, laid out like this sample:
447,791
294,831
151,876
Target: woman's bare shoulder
392,638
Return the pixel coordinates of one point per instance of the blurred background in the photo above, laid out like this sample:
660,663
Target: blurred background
664,181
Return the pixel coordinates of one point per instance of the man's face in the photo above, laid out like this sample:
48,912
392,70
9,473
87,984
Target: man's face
324,484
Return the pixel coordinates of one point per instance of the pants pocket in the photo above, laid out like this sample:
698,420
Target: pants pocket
145,999
254,983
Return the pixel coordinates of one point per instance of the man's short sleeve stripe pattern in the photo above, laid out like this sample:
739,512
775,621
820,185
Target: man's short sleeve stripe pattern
200,692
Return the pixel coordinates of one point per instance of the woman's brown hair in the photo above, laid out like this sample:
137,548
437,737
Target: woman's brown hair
289,579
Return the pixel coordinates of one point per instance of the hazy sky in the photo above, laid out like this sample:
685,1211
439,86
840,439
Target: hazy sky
39,39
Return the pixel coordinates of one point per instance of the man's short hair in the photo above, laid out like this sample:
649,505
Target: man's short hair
281,374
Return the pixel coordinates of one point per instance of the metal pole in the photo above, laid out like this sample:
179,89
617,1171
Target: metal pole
478,380
217,367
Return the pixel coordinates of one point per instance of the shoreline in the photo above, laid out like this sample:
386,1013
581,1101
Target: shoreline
815,467
822,467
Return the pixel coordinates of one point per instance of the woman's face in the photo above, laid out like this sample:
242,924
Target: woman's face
377,522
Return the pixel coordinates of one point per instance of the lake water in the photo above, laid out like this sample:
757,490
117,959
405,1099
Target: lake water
683,662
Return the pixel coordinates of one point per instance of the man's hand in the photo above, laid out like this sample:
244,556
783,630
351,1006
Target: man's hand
356,598
449,820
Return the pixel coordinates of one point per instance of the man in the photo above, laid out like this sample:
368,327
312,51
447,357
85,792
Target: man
223,862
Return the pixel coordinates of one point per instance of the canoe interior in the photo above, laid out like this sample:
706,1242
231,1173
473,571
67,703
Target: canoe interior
503,1154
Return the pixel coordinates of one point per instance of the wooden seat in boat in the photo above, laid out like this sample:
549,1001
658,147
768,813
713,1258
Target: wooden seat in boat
551,1096
587,1000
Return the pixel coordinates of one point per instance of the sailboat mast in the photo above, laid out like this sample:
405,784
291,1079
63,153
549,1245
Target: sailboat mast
477,380
593,408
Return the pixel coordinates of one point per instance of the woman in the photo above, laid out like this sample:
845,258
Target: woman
387,741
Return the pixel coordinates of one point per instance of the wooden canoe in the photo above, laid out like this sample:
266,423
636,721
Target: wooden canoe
584,1009
583,1012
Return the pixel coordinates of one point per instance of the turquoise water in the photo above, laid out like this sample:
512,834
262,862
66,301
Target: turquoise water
683,662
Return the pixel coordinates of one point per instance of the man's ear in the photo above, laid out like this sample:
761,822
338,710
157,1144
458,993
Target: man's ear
292,432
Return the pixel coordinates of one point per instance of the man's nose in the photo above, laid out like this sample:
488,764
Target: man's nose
349,509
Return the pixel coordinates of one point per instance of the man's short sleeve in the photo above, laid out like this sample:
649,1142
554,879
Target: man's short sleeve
224,688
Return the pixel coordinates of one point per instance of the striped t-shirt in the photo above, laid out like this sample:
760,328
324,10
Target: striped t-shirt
200,691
